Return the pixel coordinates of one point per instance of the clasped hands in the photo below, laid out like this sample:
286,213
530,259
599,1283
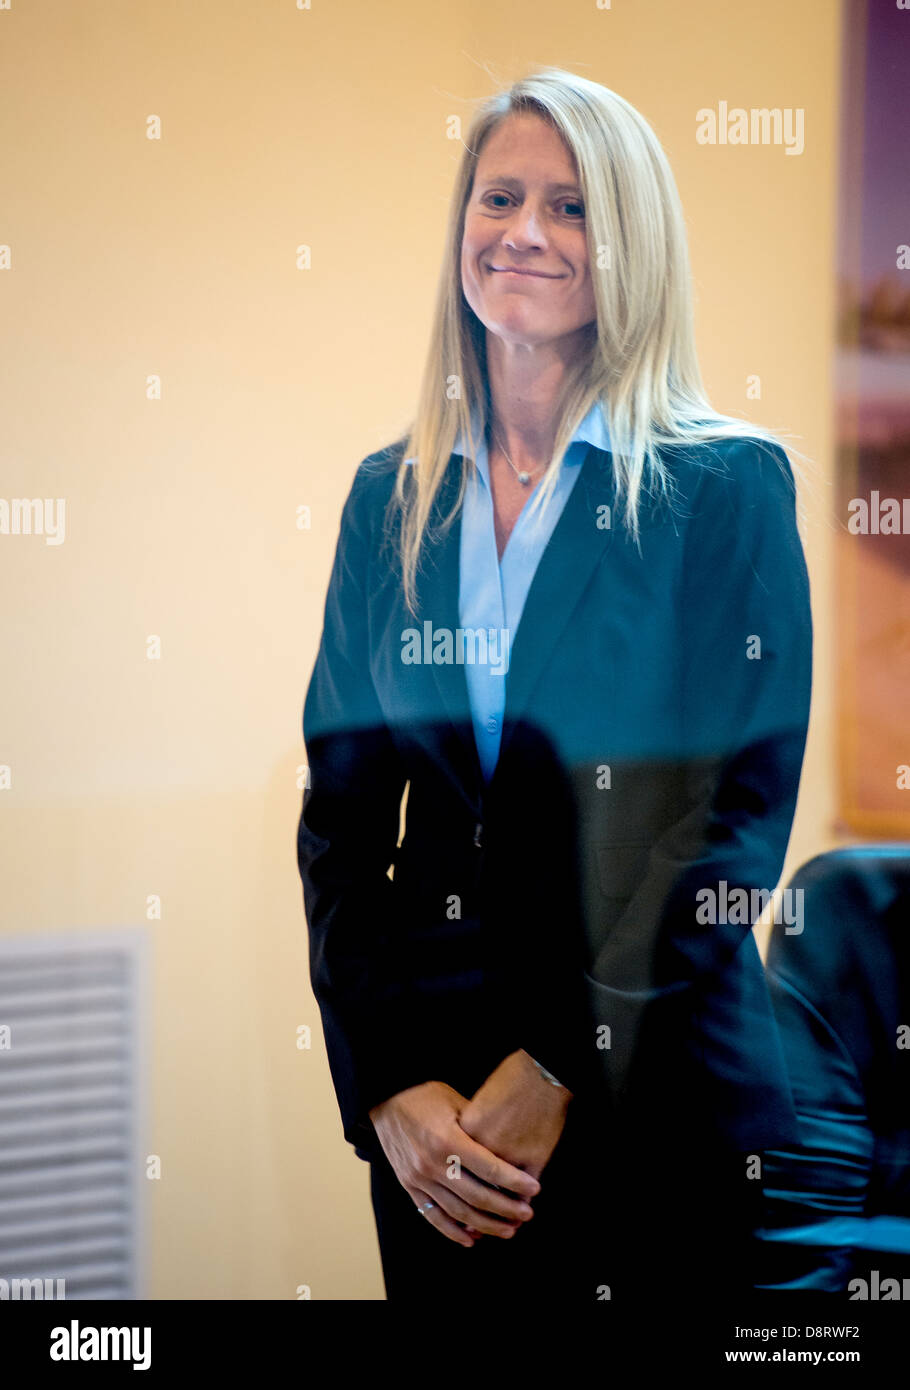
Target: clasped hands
502,1138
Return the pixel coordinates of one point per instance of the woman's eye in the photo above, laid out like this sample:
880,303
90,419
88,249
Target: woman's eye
576,209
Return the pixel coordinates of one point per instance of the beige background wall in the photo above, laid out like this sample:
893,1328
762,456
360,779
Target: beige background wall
176,257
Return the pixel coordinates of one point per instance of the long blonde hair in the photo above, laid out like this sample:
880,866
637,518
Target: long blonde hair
639,361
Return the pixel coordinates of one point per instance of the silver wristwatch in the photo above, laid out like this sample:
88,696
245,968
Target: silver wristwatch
547,1075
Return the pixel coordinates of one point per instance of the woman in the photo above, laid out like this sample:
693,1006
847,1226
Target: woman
569,614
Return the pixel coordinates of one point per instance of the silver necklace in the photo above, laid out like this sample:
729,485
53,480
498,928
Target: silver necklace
523,477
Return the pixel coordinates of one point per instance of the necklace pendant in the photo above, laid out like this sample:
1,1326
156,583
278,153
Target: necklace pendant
524,478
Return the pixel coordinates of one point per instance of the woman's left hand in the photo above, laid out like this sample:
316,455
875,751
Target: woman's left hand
517,1114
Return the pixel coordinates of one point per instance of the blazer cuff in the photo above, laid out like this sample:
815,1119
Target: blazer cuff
378,1078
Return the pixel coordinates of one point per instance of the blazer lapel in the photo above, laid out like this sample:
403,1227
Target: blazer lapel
437,604
576,547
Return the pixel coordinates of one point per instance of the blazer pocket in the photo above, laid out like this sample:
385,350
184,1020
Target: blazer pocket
622,867
604,999
646,1023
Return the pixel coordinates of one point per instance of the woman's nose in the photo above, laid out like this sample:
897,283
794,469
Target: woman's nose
525,228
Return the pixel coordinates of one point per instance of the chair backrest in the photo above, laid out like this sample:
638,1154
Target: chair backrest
851,962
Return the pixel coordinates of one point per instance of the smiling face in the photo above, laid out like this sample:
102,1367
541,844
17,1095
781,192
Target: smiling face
524,254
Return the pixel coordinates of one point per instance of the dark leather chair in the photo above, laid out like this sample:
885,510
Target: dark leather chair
837,1205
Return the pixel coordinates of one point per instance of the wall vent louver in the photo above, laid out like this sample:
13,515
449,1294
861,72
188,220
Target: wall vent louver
72,1096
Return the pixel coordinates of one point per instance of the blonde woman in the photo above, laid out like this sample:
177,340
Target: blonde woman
569,615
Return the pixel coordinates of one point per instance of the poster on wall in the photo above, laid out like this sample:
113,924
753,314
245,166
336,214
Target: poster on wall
873,430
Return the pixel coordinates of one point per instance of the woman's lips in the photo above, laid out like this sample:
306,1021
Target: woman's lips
512,270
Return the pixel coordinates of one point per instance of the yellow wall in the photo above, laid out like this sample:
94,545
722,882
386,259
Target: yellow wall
176,257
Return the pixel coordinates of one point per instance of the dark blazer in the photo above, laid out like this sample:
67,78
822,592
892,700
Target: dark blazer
645,755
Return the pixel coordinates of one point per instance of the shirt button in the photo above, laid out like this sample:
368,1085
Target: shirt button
492,726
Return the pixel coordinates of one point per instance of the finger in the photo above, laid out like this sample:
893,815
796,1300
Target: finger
472,1218
438,1218
484,1198
495,1170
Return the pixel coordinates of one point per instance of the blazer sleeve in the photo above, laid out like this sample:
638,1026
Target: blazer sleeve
346,840
744,661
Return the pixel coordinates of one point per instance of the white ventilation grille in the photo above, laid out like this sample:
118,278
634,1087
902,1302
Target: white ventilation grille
71,1083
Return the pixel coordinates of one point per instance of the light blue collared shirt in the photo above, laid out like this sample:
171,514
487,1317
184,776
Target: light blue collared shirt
492,592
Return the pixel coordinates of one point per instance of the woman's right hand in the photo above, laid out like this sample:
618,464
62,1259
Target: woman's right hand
421,1137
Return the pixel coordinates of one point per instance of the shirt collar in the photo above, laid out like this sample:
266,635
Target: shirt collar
593,429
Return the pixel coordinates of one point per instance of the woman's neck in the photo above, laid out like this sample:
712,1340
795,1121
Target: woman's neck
526,390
